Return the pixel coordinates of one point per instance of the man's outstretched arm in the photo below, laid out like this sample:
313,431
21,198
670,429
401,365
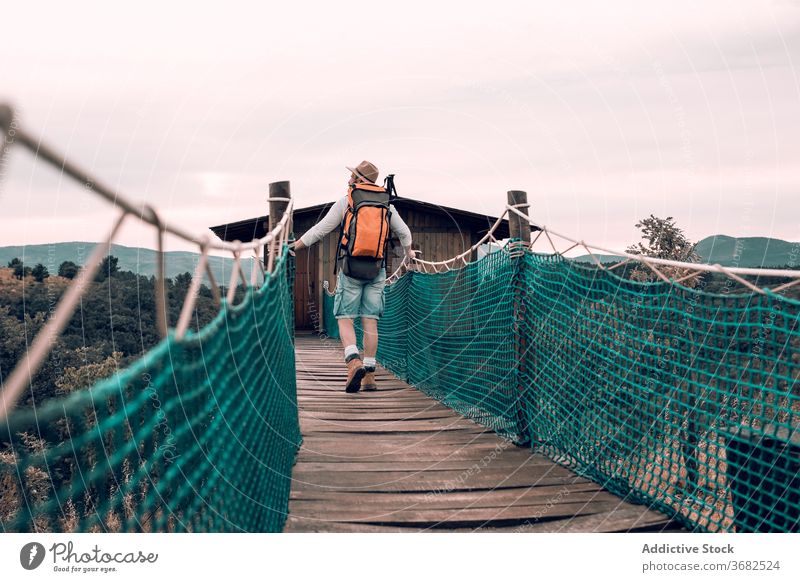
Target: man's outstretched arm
329,222
400,228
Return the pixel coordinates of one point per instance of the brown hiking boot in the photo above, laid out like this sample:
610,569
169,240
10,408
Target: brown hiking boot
368,384
355,372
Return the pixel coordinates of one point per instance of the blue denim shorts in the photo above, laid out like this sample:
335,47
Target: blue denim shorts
356,298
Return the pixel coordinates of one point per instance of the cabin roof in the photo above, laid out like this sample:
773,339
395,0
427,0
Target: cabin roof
252,228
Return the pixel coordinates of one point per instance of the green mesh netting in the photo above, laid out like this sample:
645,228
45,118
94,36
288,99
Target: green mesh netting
199,435
676,395
681,399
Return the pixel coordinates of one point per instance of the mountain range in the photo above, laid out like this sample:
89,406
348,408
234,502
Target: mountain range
753,251
137,260
728,251
725,250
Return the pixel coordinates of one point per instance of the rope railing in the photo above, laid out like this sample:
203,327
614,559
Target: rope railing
694,269
734,273
198,434
447,264
27,368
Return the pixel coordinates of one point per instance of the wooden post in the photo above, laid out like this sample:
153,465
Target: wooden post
520,228
279,193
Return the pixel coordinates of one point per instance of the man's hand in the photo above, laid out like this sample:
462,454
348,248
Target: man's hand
296,246
410,253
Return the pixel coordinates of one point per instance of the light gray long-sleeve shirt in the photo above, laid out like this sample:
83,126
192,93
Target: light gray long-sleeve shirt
335,216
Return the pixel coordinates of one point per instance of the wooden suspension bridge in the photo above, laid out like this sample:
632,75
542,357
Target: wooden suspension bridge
397,461
393,460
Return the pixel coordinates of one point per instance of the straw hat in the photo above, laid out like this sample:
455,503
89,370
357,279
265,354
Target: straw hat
366,171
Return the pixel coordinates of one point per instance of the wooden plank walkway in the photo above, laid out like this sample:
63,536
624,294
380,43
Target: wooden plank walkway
396,460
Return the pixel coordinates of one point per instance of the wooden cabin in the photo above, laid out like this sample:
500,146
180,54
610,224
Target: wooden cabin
440,232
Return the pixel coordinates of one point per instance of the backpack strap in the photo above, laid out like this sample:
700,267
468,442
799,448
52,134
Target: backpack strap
388,185
339,253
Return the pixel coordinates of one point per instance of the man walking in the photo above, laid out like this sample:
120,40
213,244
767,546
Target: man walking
365,217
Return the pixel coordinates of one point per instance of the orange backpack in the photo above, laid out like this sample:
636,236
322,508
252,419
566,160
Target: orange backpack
364,233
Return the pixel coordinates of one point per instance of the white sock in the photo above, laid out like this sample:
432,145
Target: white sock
350,350
369,362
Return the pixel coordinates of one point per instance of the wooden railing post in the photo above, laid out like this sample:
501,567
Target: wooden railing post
279,197
520,228
279,194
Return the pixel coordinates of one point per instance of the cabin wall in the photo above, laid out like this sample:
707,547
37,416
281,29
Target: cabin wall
308,279
439,237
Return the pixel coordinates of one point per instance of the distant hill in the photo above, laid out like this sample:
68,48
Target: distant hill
137,260
754,251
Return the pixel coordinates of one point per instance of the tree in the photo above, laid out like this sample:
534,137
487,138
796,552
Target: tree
108,268
13,331
68,270
77,378
40,272
59,359
12,264
21,271
183,281
677,346
664,241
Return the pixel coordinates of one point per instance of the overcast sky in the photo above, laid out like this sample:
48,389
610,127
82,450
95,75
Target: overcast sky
604,112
